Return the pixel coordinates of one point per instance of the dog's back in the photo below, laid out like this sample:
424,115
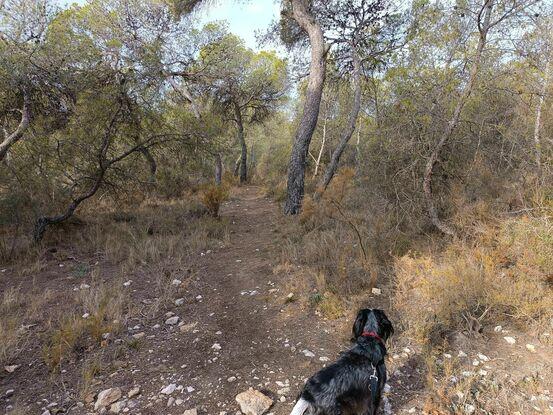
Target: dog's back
353,384
343,387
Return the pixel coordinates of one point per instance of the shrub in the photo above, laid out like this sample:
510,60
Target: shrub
212,198
504,275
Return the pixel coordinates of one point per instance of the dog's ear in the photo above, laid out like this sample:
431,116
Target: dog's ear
359,324
385,325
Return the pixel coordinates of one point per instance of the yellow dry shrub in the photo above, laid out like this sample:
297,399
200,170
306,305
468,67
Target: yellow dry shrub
331,306
328,205
212,197
505,277
341,184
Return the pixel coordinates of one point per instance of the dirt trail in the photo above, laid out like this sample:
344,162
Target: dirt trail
238,304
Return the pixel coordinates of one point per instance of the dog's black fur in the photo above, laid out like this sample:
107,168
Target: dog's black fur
346,387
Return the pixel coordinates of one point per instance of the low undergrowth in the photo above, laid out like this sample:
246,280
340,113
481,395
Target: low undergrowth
347,250
97,254
503,275
452,389
99,315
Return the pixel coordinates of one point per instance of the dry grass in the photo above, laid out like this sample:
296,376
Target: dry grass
337,241
156,239
90,369
504,275
328,304
73,335
452,389
10,321
18,312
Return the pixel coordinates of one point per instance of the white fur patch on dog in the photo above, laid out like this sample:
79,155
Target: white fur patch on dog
300,407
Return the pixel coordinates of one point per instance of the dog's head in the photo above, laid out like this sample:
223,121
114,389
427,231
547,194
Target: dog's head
372,320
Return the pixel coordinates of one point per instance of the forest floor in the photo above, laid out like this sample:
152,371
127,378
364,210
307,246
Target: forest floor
242,322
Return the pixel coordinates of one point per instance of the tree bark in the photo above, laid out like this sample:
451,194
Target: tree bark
151,161
103,164
308,122
183,90
537,126
323,140
237,165
242,141
11,139
358,152
483,28
348,132
218,170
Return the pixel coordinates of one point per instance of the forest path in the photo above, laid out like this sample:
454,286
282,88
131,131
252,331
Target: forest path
236,302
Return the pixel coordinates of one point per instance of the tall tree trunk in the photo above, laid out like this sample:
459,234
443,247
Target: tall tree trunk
483,27
242,141
537,126
296,168
358,152
183,90
151,161
252,158
218,169
237,165
323,140
11,139
348,132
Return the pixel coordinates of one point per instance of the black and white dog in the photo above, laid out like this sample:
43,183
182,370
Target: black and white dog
353,384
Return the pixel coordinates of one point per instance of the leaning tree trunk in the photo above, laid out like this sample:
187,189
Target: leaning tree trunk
11,139
318,159
43,222
452,124
348,132
243,146
183,90
149,159
218,170
308,122
237,165
537,126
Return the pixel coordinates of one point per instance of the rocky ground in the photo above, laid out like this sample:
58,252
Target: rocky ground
238,336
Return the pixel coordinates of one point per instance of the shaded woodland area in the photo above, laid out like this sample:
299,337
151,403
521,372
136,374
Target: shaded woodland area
408,146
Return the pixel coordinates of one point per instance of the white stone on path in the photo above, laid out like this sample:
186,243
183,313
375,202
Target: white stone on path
134,392
253,402
510,340
107,397
169,389
308,353
171,321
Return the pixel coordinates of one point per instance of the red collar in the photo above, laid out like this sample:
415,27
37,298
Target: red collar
373,335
